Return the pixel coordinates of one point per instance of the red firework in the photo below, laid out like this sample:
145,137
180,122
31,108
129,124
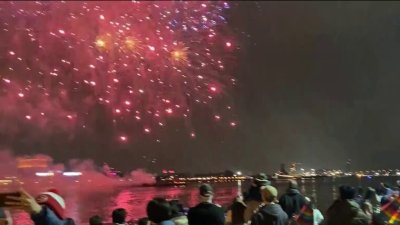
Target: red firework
142,62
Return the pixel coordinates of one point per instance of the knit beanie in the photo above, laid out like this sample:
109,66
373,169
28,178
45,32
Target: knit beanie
53,200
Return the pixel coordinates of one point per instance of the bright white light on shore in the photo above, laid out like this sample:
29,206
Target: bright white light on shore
72,174
44,174
239,173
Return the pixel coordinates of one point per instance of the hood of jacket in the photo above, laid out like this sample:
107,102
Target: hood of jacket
272,209
293,191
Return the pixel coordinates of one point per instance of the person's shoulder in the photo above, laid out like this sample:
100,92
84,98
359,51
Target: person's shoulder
218,205
191,209
213,206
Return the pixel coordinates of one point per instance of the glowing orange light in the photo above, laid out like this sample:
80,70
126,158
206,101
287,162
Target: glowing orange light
100,43
179,54
130,43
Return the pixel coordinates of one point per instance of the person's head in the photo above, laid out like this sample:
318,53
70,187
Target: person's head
95,220
158,210
346,192
176,208
310,202
269,193
206,193
53,200
293,184
260,180
118,215
69,221
143,221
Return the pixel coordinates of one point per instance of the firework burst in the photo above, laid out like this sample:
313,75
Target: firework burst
141,62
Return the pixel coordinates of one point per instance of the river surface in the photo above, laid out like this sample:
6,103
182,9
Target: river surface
85,200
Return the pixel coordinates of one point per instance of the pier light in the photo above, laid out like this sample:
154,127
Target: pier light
44,174
72,174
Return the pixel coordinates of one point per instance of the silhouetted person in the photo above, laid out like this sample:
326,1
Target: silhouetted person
371,203
381,218
304,214
159,211
177,213
206,213
143,221
119,216
292,201
345,210
95,220
269,213
253,197
235,214
360,195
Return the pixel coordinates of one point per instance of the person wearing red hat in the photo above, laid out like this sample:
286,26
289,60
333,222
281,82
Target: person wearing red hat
46,209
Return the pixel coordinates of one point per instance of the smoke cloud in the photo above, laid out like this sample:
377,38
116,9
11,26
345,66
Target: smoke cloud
92,176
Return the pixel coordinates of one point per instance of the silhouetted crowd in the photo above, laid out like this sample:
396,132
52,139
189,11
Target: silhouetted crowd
260,205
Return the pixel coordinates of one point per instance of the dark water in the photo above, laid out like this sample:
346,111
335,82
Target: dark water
84,201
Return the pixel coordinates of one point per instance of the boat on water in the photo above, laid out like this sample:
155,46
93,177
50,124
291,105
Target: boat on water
282,177
177,180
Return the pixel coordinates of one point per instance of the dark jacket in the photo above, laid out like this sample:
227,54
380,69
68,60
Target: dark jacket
346,212
47,217
292,202
271,214
252,200
237,212
206,214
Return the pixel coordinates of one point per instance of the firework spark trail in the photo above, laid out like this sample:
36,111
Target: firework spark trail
143,62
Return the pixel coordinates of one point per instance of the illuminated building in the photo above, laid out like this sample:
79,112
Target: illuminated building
31,166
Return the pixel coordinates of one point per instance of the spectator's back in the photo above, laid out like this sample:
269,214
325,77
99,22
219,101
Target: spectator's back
292,201
206,213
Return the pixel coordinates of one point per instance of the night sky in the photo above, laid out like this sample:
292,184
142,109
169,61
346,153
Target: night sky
318,83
